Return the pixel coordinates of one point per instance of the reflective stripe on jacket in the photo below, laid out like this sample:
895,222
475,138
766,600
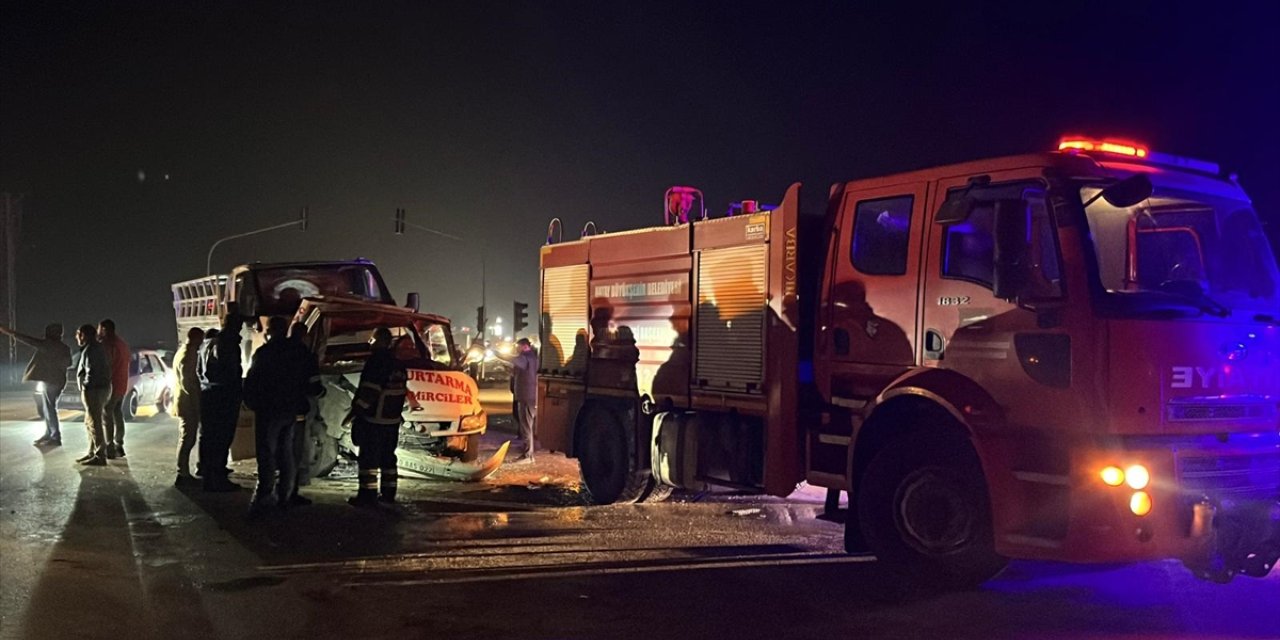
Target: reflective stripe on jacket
381,395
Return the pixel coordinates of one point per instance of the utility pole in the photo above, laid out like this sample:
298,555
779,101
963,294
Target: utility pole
12,226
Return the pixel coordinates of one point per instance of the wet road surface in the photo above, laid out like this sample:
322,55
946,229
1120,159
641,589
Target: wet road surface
119,552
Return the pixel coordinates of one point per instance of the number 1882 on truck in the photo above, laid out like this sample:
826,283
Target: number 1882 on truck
1071,355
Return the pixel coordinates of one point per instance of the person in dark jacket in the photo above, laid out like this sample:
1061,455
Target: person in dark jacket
48,367
276,389
220,388
94,374
524,385
301,437
375,421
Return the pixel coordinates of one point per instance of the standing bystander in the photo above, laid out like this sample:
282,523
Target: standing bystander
302,440
276,389
94,375
220,387
524,375
118,354
48,369
188,404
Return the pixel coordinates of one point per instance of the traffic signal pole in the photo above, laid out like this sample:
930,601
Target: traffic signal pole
301,223
401,223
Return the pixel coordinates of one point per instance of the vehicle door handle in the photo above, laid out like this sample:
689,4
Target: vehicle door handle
934,344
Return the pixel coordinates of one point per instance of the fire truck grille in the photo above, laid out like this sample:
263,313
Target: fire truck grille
1201,412
1242,477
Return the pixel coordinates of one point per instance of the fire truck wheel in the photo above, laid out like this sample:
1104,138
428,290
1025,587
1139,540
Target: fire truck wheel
608,468
923,510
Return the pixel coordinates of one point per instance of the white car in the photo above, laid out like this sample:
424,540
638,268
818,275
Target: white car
149,385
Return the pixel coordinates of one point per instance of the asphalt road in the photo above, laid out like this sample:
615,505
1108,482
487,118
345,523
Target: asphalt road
117,552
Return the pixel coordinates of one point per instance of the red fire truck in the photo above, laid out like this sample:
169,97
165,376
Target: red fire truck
1071,355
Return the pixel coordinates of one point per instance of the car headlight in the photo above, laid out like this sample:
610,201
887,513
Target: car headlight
39,387
474,422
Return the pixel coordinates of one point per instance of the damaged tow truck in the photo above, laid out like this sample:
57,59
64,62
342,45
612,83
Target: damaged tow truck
443,418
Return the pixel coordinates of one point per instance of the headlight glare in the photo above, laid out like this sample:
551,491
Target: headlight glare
1137,477
1140,503
1112,476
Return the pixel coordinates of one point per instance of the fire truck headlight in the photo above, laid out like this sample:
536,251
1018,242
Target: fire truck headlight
1140,503
1137,477
1112,476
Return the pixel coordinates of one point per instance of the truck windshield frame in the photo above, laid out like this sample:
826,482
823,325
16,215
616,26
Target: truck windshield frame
1180,253
286,286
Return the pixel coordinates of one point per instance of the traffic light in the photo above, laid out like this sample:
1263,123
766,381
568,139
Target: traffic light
481,322
521,320
302,218
399,222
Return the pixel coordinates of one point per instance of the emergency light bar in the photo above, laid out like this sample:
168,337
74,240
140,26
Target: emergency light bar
1106,146
1075,144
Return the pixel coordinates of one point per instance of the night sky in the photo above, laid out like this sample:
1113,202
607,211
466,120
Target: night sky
486,119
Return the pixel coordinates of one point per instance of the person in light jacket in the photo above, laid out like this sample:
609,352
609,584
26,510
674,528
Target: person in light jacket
188,401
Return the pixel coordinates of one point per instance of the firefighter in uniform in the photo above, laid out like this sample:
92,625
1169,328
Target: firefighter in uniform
375,420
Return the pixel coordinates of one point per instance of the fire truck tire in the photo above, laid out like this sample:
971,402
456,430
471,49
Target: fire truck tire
604,457
923,510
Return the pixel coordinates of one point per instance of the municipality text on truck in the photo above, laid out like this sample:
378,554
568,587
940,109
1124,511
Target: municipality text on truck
1071,355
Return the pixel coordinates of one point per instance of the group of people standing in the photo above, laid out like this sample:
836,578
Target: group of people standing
102,372
211,387
280,386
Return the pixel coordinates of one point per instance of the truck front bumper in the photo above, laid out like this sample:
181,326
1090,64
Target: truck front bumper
471,425
1214,506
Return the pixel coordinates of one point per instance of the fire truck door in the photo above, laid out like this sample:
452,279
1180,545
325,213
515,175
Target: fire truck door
965,327
871,301
868,319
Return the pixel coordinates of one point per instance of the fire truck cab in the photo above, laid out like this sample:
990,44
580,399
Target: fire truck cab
1072,355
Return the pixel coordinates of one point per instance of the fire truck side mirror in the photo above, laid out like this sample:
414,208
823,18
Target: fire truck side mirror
412,301
1012,226
955,208
1128,192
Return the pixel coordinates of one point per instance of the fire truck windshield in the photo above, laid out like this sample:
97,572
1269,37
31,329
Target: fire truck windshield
1177,248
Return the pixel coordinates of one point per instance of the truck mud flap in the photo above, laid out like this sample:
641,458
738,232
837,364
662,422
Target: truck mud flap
425,464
